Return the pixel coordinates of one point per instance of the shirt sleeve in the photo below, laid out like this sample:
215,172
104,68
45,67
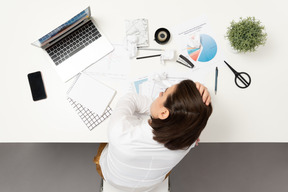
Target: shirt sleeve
125,114
132,103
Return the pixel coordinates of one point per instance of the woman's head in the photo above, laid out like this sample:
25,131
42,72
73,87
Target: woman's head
179,115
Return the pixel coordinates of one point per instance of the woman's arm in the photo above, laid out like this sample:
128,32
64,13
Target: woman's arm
131,103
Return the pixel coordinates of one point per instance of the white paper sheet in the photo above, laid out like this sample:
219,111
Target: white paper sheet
91,93
205,56
115,65
151,85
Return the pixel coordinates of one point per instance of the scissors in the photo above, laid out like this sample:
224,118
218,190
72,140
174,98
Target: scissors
242,79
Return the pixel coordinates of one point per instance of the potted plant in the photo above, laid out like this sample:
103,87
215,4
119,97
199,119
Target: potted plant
246,34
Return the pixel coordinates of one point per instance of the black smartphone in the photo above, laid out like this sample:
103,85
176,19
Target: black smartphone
37,86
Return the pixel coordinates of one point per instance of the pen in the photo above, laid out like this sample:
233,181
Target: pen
216,79
148,56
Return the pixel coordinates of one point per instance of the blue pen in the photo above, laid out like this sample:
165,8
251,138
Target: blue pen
216,79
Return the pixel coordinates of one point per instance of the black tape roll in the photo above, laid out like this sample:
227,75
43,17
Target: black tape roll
162,36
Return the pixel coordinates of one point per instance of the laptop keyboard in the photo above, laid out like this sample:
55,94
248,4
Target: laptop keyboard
73,43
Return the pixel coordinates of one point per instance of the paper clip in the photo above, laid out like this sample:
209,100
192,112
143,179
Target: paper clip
184,61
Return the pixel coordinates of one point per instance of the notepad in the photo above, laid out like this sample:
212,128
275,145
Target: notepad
91,93
90,118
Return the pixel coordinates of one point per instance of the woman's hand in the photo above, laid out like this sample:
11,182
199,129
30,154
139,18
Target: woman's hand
197,142
204,92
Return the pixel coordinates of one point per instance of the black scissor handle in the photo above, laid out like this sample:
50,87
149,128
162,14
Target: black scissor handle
242,80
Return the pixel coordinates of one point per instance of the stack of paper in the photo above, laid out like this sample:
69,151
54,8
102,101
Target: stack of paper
92,94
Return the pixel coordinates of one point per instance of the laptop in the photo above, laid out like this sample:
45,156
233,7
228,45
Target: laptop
75,45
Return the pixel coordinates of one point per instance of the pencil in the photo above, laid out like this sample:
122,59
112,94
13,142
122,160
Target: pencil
148,49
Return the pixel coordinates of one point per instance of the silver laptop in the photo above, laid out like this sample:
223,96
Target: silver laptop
75,45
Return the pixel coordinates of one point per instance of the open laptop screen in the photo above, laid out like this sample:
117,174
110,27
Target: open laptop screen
63,28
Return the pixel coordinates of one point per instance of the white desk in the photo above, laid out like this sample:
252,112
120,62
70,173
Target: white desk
256,114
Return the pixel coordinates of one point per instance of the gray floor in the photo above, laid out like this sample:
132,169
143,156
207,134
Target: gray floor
209,167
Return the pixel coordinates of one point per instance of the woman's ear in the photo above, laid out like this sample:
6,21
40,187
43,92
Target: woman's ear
164,113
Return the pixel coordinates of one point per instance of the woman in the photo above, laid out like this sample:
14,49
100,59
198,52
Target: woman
147,140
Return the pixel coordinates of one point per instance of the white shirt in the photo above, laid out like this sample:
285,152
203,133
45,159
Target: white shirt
133,159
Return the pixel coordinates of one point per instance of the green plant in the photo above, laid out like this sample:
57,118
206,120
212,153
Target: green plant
246,35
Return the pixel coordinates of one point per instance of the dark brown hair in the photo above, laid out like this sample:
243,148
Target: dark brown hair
188,115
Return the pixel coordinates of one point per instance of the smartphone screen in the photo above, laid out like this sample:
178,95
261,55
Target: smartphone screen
37,86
